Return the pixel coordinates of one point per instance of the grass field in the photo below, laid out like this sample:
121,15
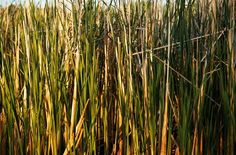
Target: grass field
140,77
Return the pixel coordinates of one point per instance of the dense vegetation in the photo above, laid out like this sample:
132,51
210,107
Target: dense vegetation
141,77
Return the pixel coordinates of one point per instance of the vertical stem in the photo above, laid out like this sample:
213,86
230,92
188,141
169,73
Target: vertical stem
165,119
77,59
231,74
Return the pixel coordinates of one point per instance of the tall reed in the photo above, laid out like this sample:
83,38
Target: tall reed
118,77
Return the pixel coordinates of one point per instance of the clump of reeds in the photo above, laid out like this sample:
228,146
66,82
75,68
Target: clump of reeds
118,78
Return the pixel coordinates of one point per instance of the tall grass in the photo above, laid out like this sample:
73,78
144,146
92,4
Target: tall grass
135,77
